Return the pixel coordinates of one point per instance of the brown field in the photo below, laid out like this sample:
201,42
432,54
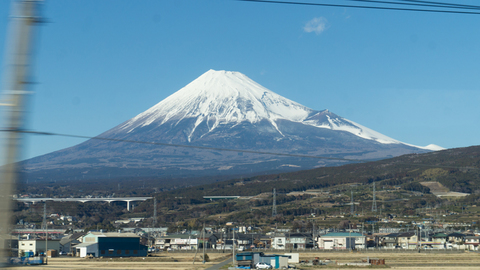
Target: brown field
403,260
435,186
184,261
164,261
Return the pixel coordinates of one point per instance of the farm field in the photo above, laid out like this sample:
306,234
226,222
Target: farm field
402,259
164,261
184,261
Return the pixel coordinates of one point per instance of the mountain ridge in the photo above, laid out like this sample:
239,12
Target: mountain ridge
220,109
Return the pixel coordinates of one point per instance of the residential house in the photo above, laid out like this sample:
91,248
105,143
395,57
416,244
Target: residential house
456,238
177,242
407,240
67,243
439,240
279,241
472,242
389,241
341,240
298,241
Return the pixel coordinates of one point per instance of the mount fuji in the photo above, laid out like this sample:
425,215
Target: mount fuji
219,110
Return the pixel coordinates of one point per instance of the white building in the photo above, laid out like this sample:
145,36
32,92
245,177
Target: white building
341,240
37,246
278,241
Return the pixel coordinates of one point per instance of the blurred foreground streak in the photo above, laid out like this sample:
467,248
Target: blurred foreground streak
16,82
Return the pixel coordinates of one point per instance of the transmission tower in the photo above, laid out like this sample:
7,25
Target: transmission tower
274,208
352,207
374,203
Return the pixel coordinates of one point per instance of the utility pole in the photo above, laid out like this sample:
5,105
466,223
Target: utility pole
351,203
204,244
274,208
233,245
154,212
44,222
374,203
24,16
45,230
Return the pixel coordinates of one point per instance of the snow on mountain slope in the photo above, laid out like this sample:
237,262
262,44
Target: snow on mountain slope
220,97
224,97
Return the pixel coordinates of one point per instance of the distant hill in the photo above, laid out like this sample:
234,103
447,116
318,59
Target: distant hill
456,169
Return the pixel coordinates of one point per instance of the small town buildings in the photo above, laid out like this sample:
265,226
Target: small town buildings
225,240
341,240
38,246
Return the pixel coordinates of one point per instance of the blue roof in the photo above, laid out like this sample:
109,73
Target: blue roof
342,234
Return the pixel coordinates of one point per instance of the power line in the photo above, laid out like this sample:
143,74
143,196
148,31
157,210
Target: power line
441,3
183,146
228,150
367,7
421,4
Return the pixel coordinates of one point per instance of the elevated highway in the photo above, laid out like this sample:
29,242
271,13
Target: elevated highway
84,200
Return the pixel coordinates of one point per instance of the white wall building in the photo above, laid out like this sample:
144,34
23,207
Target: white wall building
37,246
341,240
278,241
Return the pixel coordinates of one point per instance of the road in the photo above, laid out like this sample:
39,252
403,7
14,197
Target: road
220,265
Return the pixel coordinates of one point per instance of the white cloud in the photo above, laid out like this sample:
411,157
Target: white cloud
317,25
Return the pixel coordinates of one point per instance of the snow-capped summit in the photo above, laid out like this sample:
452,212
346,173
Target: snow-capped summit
225,97
221,97
187,134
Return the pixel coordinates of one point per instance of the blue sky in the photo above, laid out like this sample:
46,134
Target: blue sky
412,76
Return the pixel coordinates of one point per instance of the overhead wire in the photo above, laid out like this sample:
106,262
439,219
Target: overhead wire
227,149
368,6
443,3
422,4
184,146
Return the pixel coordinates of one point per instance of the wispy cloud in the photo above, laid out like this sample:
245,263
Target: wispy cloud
317,25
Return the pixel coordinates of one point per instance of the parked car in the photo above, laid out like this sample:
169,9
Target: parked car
262,265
